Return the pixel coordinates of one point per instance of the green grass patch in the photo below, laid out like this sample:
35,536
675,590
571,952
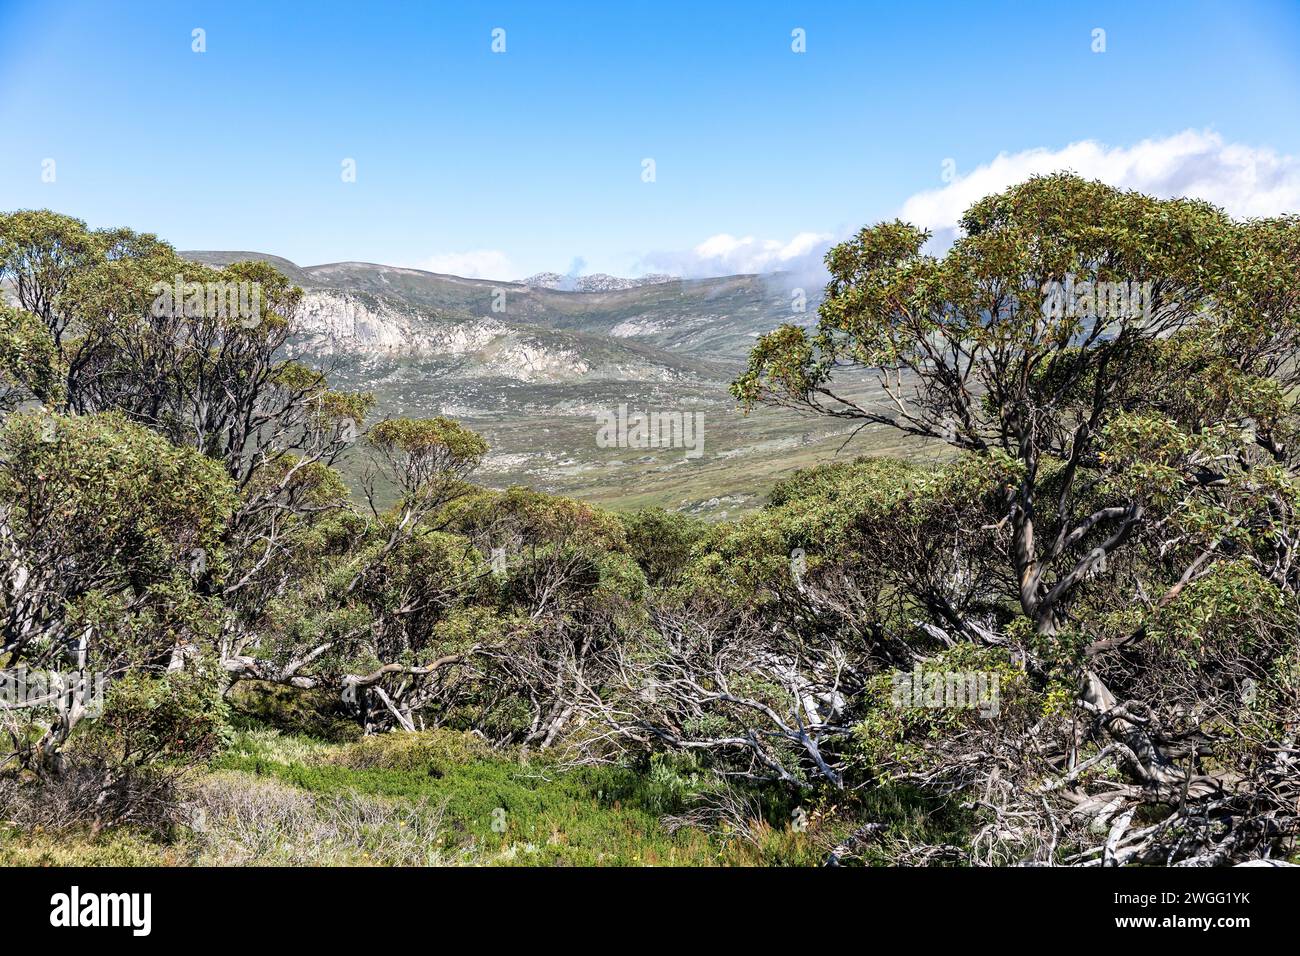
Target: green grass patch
510,812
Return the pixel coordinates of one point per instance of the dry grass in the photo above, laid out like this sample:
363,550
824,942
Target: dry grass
242,821
92,795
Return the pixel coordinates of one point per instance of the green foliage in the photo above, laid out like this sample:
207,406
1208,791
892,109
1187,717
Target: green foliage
661,542
29,360
117,523
525,518
112,483
421,438
1228,612
1107,543
913,718
177,718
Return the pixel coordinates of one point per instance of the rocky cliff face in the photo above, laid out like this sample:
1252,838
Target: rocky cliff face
330,322
372,327
375,330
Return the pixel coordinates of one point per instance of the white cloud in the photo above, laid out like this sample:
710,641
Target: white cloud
479,264
725,254
1244,180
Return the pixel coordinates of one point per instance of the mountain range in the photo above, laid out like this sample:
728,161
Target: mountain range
531,364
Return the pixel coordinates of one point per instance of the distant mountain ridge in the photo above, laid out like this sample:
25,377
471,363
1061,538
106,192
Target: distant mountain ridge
714,320
594,282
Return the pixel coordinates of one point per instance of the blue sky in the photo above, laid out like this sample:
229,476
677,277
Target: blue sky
532,160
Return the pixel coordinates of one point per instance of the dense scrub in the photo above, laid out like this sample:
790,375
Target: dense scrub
1073,641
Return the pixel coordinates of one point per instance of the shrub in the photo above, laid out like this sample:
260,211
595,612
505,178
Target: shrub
91,791
435,751
179,719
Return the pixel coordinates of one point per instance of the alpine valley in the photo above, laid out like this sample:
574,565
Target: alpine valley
534,364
